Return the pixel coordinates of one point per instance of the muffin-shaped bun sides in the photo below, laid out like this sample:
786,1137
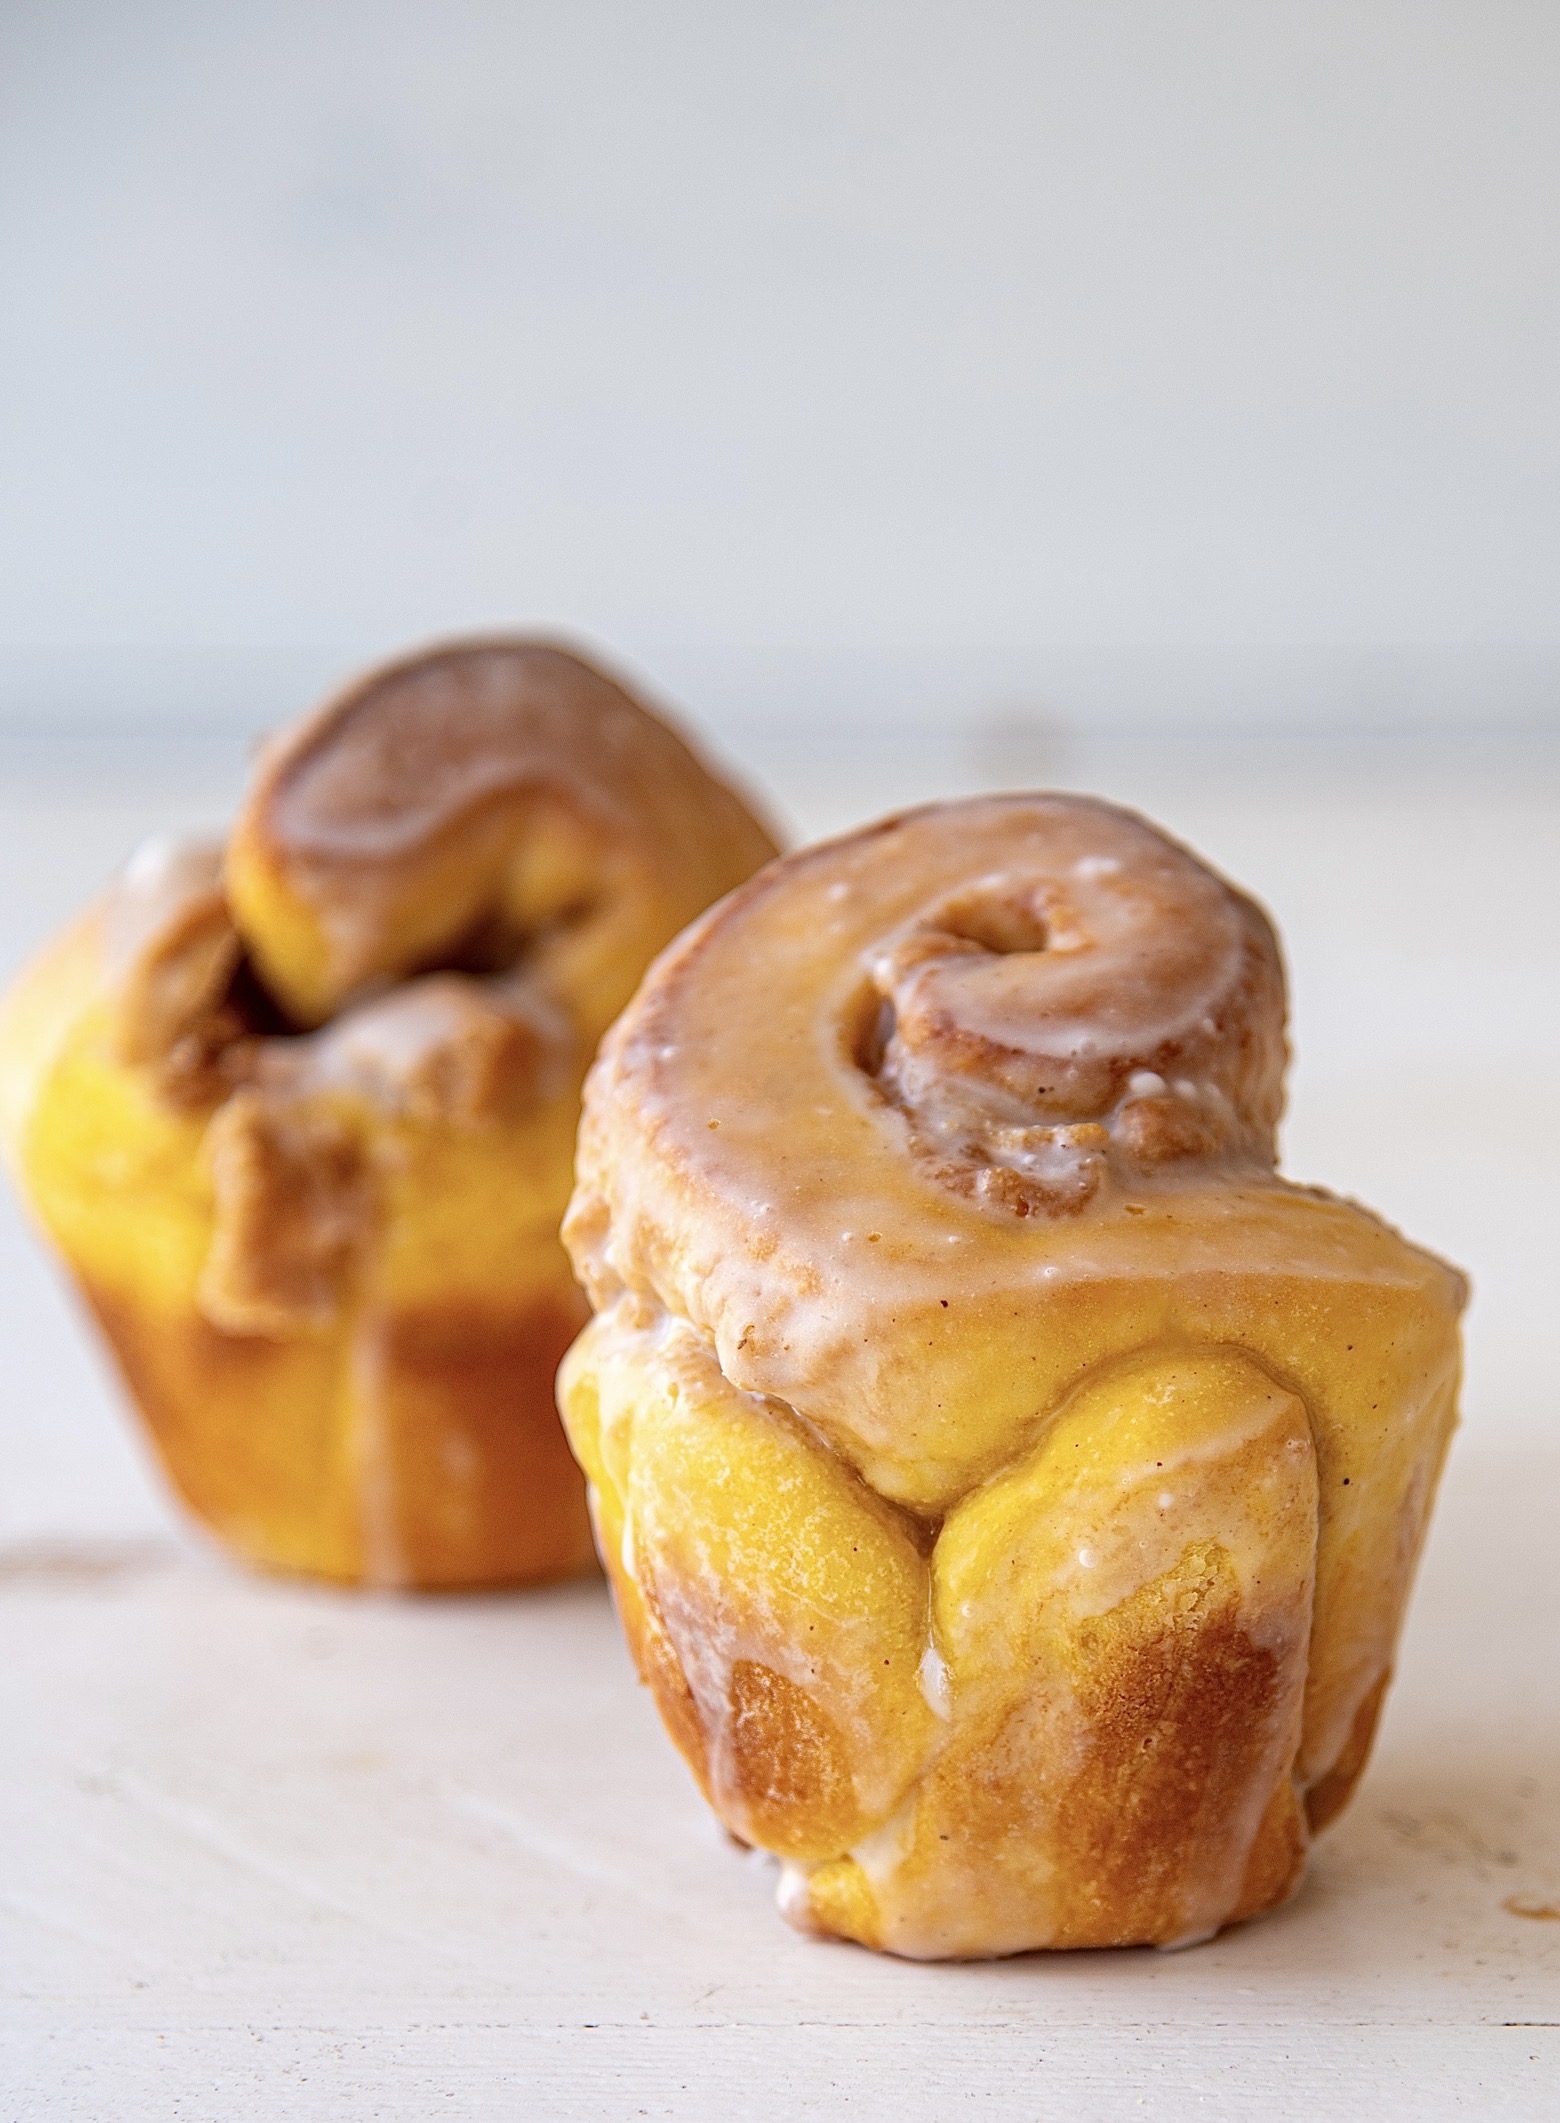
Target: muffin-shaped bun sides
1011,1486
299,1112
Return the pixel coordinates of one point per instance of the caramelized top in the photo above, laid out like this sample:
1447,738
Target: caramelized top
470,806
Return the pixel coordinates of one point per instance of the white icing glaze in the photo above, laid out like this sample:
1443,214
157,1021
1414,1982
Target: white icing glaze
932,1674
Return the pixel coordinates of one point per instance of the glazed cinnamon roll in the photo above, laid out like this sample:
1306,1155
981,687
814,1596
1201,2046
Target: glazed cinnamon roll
299,1113
1010,1485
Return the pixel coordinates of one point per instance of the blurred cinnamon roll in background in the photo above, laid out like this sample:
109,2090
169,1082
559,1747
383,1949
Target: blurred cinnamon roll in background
299,1113
1010,1485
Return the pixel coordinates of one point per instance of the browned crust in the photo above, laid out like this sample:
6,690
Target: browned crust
293,1210
788,1766
429,1453
534,668
659,1666
484,1489
1327,1798
1277,1861
1178,1709
247,1429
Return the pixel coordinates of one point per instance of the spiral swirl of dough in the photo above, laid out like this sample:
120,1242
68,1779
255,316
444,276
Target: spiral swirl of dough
1095,988
469,803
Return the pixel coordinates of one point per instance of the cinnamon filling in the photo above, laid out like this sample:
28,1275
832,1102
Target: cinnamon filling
1120,1006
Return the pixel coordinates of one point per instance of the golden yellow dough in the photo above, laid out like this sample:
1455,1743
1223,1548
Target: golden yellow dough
1010,1485
299,1115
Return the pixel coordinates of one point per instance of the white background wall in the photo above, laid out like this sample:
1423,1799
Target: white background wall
698,328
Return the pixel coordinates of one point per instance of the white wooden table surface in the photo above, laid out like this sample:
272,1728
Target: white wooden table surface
275,1852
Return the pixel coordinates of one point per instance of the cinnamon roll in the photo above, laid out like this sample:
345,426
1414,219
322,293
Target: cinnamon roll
299,1112
1010,1485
